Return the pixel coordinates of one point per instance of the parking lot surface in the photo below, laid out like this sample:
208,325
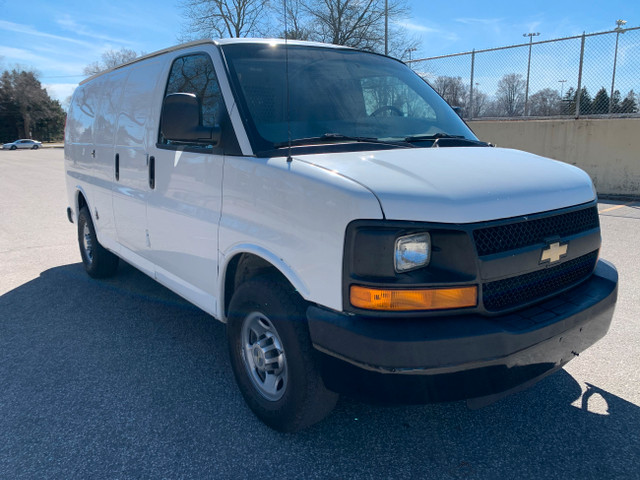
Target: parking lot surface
120,378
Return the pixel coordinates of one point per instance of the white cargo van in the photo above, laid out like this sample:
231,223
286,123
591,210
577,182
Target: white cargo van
345,223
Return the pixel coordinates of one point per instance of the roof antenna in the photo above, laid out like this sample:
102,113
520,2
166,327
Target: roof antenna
286,63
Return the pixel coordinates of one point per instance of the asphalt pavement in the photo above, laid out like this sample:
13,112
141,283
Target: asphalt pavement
122,379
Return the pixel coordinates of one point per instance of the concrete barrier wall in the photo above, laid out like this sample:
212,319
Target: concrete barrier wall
607,149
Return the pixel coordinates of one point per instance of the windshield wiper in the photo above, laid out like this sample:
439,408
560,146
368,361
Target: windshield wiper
435,136
331,137
449,140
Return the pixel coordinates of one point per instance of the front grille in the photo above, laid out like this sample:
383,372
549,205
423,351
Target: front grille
502,238
515,291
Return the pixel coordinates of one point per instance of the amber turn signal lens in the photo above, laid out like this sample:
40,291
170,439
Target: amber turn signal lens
404,300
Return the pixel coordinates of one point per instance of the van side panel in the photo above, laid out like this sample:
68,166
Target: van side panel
135,131
183,214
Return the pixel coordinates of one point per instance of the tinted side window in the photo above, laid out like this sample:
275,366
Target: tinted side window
195,74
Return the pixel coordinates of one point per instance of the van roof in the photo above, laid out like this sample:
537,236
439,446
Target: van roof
208,41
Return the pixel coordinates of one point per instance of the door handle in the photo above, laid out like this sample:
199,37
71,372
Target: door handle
152,172
117,167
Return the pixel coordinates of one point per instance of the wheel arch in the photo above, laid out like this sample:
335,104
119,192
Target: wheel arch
246,263
81,201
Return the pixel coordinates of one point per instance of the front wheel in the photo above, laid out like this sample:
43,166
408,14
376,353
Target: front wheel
98,261
35,147
274,363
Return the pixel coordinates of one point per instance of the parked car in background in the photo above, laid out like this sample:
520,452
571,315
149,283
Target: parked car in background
24,143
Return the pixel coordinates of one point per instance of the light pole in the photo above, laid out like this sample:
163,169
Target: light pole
561,87
619,30
409,50
526,94
386,27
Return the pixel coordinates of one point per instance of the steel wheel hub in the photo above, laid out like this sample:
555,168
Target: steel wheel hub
264,356
87,244
259,359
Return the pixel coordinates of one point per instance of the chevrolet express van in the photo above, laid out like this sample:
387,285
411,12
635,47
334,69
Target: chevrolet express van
341,219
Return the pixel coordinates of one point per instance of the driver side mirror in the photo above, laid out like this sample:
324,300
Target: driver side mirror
181,120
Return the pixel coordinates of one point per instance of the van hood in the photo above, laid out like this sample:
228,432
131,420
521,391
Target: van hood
463,184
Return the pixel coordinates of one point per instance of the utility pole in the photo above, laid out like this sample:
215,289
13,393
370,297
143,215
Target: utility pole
526,95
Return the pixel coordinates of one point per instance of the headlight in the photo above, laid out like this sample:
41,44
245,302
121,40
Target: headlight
412,251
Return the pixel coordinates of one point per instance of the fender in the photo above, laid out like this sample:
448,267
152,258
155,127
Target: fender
76,204
284,268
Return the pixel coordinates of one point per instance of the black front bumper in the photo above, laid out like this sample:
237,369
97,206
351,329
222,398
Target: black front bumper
464,356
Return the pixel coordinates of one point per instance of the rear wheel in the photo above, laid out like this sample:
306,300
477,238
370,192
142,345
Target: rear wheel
275,365
98,261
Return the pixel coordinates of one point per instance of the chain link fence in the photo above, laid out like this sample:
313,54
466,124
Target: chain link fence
589,74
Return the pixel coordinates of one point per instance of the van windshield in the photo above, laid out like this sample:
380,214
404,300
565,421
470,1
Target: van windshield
334,94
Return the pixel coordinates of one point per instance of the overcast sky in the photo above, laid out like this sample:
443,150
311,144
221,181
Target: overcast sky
58,38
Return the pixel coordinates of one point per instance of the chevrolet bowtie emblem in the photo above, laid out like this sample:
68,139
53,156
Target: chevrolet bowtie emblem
554,252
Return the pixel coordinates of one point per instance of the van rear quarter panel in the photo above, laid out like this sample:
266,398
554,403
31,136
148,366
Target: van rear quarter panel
105,125
82,171
294,215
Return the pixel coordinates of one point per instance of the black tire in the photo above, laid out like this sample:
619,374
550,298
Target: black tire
301,399
35,147
98,261
13,147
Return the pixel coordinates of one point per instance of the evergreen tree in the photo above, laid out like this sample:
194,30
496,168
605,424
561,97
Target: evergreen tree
629,104
26,110
600,104
615,102
569,102
585,102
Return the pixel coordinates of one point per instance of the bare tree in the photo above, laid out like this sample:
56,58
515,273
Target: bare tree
479,107
359,24
109,59
546,102
225,18
296,27
355,23
510,95
347,22
453,90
